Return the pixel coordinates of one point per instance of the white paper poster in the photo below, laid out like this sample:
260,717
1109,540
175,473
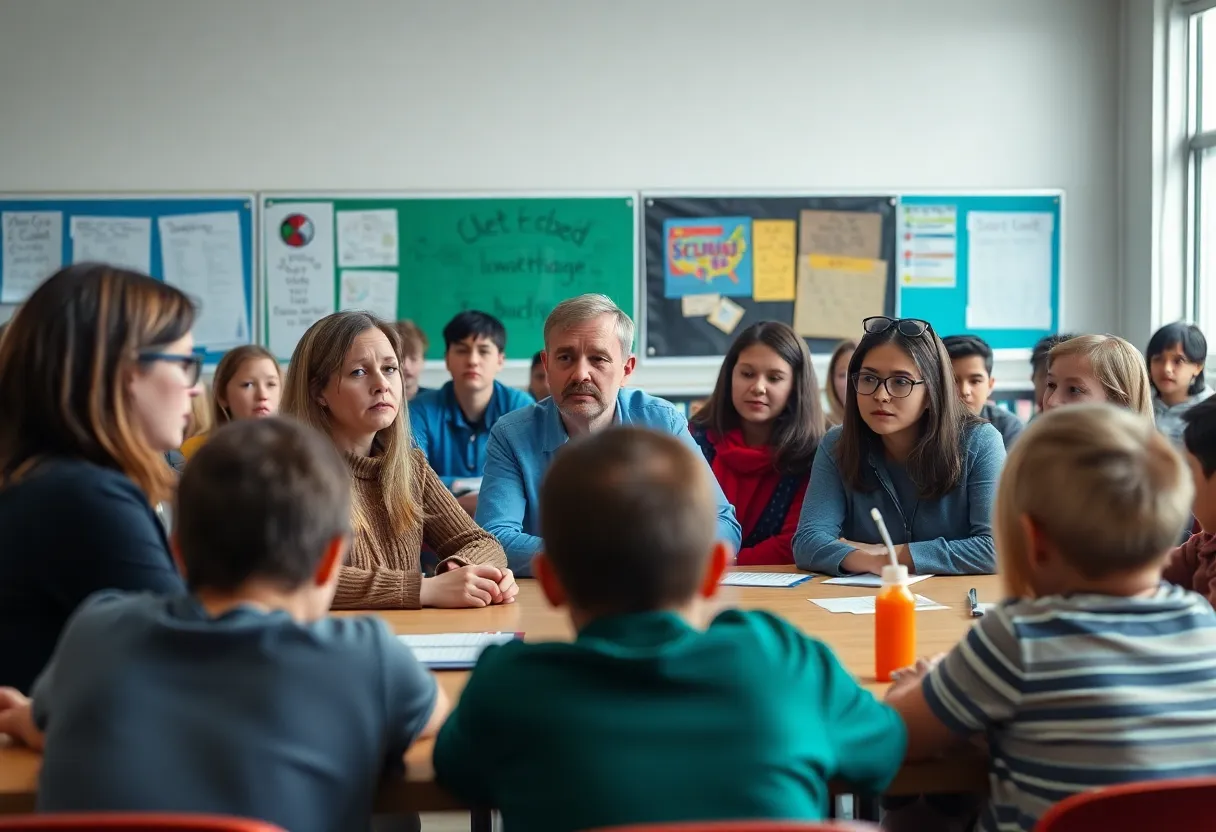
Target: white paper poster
928,247
123,242
299,248
370,291
32,243
202,257
1009,270
367,238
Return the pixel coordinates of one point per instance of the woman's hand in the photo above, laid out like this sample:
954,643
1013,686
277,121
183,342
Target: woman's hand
17,718
465,586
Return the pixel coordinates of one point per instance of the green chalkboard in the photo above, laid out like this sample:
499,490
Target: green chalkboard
512,257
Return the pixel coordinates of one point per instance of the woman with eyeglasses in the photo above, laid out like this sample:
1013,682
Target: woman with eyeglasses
910,448
96,377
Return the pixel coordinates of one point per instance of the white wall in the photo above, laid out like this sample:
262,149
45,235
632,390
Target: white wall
578,94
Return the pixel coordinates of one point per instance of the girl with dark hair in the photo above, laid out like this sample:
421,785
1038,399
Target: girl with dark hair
759,432
1176,355
97,373
909,447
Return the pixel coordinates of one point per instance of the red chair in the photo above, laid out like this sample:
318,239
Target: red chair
132,822
1135,807
749,826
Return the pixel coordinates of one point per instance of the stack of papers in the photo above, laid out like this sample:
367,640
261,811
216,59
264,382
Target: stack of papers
869,580
864,605
453,651
763,579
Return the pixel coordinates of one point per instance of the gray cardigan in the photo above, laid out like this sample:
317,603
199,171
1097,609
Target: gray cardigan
948,536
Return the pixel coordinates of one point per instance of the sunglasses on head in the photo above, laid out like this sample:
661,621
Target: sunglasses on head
911,327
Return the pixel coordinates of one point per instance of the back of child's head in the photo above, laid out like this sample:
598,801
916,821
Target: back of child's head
261,500
1199,436
1100,484
968,346
1118,367
1188,338
628,520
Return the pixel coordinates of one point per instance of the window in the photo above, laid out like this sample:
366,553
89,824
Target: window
1202,152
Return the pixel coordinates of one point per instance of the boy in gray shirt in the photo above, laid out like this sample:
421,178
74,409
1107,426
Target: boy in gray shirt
242,697
971,358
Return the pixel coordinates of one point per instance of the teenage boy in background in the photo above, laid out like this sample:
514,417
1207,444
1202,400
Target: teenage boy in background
972,360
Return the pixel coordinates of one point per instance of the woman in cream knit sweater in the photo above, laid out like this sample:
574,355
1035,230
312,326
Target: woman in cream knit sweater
344,379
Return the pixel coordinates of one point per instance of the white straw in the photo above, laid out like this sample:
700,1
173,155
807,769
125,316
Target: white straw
886,537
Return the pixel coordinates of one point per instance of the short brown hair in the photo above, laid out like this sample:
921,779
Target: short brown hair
628,519
261,499
1103,485
413,339
63,364
227,369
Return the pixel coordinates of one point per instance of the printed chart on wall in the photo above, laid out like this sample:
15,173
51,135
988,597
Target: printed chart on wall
985,265
201,244
428,258
715,265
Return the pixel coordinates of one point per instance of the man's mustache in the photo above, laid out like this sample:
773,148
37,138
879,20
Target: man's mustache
581,389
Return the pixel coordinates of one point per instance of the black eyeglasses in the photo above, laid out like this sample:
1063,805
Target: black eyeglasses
911,327
192,365
898,387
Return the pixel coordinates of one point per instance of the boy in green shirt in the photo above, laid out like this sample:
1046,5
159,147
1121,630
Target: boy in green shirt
654,713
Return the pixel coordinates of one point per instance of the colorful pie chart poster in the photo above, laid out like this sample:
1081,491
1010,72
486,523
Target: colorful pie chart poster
711,255
300,288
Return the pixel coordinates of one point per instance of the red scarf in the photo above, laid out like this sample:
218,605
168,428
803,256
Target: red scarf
747,475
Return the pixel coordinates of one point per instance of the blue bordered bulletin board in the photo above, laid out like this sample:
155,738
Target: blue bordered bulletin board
934,259
152,207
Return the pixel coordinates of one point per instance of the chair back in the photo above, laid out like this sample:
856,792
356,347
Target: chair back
1135,807
132,822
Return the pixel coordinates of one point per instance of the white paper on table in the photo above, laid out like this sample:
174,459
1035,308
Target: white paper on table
763,579
452,650
32,243
299,270
864,604
1009,267
124,242
367,238
370,291
201,255
869,580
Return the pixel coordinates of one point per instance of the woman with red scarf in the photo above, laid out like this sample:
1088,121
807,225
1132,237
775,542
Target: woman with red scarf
759,431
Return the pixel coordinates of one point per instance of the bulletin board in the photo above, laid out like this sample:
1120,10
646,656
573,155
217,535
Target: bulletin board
428,257
203,244
984,264
714,265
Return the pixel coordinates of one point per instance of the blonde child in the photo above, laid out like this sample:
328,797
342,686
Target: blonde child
1093,672
248,384
1098,368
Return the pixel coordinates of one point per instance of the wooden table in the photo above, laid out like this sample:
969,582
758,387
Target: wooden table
851,636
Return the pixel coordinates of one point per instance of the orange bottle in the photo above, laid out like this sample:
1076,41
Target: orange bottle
894,624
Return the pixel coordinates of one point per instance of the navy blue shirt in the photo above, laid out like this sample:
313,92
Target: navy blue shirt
150,704
455,448
68,529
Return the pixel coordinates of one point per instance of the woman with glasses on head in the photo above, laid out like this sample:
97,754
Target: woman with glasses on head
96,379
910,448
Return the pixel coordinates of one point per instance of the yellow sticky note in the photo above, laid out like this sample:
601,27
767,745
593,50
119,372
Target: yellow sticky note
774,257
832,263
727,316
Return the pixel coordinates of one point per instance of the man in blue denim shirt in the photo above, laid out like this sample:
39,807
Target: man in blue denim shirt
452,424
588,356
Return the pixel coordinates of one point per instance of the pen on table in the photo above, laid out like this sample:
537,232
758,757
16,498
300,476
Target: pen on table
974,602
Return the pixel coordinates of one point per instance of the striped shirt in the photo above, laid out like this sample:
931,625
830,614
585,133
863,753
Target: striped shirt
1083,691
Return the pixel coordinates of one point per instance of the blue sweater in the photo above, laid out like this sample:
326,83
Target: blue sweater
948,536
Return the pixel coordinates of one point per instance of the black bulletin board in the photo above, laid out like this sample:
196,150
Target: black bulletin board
670,335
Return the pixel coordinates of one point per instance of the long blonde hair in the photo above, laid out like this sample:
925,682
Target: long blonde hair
1102,484
1117,365
319,355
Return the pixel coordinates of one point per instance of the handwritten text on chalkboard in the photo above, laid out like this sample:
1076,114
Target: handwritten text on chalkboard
476,227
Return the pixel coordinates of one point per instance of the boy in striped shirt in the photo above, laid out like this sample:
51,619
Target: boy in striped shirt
1094,672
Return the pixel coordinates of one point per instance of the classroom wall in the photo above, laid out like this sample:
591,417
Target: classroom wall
601,94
